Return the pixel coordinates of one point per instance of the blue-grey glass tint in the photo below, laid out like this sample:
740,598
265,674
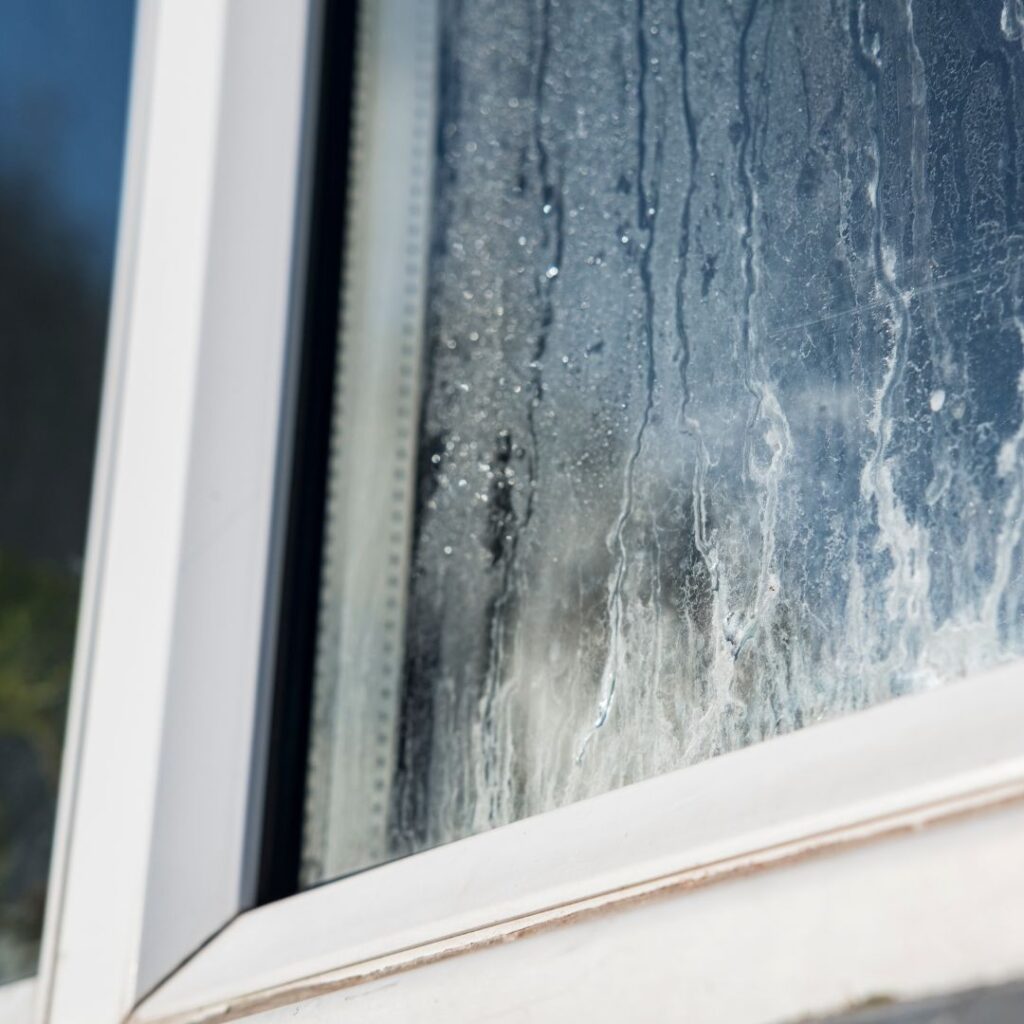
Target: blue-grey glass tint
63,91
722,426
1000,1005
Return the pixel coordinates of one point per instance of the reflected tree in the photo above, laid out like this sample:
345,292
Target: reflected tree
52,319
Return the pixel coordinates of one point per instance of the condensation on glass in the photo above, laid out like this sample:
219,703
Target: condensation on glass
717,421
63,91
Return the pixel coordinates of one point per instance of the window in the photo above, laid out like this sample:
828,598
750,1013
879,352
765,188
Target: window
272,651
687,412
63,83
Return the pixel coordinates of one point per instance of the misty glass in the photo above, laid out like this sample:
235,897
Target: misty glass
63,89
721,427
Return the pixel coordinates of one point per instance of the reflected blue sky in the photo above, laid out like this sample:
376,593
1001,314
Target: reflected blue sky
64,72
64,68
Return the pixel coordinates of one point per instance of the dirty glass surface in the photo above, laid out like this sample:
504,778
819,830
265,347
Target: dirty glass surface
63,89
721,409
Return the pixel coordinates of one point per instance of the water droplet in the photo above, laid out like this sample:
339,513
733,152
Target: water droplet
546,208
551,272
447,549
937,400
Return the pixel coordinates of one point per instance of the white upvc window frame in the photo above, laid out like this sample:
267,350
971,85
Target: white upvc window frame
707,890
153,851
17,1001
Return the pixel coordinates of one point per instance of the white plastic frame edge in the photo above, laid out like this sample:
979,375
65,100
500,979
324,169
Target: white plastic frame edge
155,821
18,1001
862,779
923,913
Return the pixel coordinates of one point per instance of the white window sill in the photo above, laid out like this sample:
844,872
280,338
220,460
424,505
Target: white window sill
883,772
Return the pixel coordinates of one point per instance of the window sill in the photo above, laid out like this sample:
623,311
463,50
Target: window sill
888,771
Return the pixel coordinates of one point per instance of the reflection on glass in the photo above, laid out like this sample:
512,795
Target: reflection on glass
721,427
63,85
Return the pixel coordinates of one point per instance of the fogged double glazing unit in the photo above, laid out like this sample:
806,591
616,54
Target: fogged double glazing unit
688,410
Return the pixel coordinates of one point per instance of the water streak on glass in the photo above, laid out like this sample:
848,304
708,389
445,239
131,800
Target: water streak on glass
721,427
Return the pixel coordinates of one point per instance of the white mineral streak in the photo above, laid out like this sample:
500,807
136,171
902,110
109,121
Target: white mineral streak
723,427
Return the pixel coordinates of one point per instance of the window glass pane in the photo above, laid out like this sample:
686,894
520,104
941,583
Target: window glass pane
717,351
63,88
